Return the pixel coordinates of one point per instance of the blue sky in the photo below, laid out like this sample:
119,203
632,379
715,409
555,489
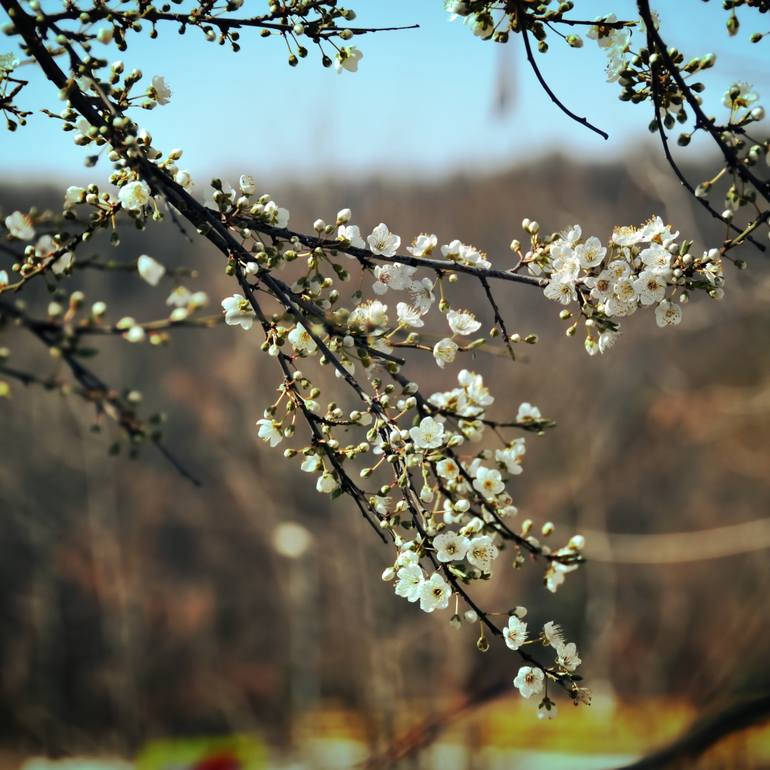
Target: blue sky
421,103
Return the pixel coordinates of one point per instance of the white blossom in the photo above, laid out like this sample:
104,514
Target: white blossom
384,243
739,95
529,681
269,431
409,316
409,581
422,294
238,311
512,455
600,285
247,184
276,215
650,287
150,269
568,657
463,322
74,195
423,245
591,253
488,482
134,196
20,226
350,234
63,264
450,546
301,340
515,633
482,552
371,313
161,91
554,635
444,352
395,276
656,259
448,469
435,593
326,483
668,314
528,413
347,59
8,63
429,434
179,297
561,289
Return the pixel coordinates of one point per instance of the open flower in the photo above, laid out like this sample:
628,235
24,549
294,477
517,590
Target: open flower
568,657
270,432
301,340
409,316
347,59
238,311
20,226
444,352
462,322
381,241
435,593
561,289
409,580
488,482
512,456
423,245
73,196
450,546
529,681
134,196
554,635
668,314
650,287
591,253
448,468
429,434
515,633
8,63
352,235
160,90
482,552
276,215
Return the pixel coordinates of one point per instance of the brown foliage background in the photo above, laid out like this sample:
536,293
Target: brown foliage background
133,604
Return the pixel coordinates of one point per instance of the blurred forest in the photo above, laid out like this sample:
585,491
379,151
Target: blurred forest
134,605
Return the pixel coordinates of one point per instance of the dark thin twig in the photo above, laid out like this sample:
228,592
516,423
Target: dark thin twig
539,75
657,106
702,120
499,320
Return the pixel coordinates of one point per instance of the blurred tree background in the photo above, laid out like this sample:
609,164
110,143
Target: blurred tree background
134,605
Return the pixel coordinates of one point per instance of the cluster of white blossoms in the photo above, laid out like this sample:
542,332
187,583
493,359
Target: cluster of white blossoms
615,43
423,468
640,267
433,475
532,680
491,20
